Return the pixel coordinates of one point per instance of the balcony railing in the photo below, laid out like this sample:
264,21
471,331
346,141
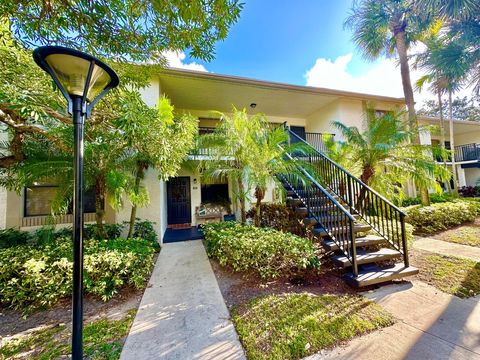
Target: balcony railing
317,140
467,152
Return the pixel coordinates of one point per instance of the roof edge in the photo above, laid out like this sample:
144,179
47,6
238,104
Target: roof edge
276,85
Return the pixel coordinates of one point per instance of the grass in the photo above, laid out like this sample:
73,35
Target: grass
103,339
465,235
456,276
292,326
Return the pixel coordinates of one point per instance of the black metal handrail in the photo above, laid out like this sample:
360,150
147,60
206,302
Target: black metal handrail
317,140
385,218
467,152
326,210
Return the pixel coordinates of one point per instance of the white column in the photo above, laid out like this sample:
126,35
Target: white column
461,176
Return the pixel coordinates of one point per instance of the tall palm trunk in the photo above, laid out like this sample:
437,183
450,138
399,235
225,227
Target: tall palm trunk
100,188
401,46
452,145
140,175
259,195
442,132
242,200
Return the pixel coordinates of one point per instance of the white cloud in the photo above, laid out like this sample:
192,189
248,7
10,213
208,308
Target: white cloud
381,79
176,60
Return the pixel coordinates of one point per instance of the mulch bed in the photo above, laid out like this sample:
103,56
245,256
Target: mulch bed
237,288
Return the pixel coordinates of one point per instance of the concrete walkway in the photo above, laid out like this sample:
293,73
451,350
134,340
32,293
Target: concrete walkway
431,325
447,248
182,314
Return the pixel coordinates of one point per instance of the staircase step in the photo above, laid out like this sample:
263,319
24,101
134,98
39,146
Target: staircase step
378,275
301,211
367,257
293,201
369,240
328,218
356,228
291,193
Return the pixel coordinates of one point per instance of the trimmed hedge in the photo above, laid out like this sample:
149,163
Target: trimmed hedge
267,252
441,216
34,277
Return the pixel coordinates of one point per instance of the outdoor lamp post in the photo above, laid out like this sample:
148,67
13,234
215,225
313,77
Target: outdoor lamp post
83,80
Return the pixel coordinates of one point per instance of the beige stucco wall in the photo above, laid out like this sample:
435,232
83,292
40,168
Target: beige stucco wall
472,176
209,118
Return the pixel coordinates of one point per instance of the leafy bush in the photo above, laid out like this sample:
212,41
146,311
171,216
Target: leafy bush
434,199
283,218
112,231
469,191
267,252
13,237
38,276
144,229
441,216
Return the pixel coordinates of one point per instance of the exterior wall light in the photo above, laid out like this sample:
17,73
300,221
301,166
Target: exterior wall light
83,80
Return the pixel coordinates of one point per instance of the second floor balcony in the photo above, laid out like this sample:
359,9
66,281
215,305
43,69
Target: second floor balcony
467,152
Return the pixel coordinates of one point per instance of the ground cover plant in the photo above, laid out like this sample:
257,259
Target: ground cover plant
466,235
267,252
103,339
292,326
453,275
33,277
441,216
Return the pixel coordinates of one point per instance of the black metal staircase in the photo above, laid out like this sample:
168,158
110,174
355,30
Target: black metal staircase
364,231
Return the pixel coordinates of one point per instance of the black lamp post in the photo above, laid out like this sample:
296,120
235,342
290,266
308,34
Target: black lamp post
83,80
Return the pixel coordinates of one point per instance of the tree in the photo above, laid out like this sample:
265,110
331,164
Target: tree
117,136
250,152
381,27
387,156
128,30
463,108
156,138
271,152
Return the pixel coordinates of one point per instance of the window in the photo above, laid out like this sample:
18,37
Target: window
214,193
39,197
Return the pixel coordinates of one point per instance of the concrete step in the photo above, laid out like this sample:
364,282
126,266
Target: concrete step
356,229
367,257
366,241
326,219
291,201
377,275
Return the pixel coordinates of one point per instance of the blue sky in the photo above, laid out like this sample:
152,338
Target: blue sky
280,40
300,42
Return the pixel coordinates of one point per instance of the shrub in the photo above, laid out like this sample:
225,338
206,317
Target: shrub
469,191
441,216
13,237
38,276
144,229
112,231
267,252
434,198
283,218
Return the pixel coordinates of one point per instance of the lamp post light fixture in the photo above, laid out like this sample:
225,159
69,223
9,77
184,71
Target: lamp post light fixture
83,80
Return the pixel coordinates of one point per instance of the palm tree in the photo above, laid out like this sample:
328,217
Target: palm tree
250,152
387,156
272,149
381,27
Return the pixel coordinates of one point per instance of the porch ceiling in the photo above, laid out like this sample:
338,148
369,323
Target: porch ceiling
206,91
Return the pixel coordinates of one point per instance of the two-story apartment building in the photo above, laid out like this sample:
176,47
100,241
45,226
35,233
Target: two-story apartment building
181,201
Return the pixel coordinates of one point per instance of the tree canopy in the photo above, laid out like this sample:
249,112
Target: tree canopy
137,30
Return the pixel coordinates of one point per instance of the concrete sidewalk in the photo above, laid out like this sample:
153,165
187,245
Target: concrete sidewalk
431,325
182,314
447,248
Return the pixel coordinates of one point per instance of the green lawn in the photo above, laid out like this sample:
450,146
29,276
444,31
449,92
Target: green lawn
292,326
456,276
103,339
466,235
